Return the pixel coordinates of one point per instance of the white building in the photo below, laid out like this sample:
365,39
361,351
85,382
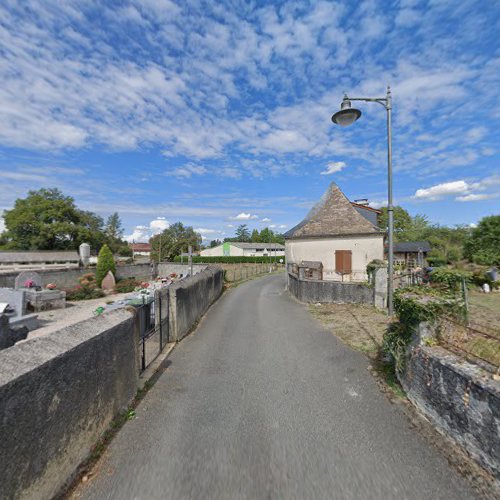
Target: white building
336,234
238,249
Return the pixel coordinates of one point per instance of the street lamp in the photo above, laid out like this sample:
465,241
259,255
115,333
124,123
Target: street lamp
347,116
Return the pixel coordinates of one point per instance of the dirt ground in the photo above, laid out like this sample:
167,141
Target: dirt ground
358,325
484,310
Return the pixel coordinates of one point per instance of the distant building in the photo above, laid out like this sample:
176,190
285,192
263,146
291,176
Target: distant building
411,254
140,249
39,259
240,249
339,237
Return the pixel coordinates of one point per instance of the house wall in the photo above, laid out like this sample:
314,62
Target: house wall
251,252
364,249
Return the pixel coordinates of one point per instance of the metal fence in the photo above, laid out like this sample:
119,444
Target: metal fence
153,326
479,343
473,341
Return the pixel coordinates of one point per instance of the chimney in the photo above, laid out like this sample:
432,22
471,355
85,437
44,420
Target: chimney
363,201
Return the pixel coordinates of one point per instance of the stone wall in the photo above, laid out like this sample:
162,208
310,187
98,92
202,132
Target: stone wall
167,268
329,291
68,277
57,396
190,298
238,272
458,398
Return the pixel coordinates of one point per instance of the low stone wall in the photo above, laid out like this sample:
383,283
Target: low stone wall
458,398
238,272
190,299
167,268
68,277
58,394
329,291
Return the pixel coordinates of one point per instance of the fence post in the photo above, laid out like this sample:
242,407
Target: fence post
466,298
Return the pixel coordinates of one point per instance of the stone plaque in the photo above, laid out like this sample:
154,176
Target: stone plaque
25,277
109,282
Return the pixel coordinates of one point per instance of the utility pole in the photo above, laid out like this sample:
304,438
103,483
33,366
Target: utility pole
190,260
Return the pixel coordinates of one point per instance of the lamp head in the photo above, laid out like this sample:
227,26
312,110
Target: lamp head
347,115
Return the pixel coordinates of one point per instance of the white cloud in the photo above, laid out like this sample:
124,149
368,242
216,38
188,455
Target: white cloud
439,190
244,216
463,190
475,197
333,167
142,234
187,171
266,219
158,225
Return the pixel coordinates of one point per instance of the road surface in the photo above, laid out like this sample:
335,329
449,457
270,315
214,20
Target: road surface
262,402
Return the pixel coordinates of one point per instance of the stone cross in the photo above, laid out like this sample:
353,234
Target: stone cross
109,282
25,276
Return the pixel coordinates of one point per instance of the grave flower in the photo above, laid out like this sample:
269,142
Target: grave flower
29,284
144,284
51,286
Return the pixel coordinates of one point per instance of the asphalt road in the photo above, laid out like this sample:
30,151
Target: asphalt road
262,402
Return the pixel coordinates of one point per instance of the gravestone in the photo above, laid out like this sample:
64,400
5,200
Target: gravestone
15,298
109,282
25,276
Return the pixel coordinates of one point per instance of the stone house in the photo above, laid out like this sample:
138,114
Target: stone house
336,234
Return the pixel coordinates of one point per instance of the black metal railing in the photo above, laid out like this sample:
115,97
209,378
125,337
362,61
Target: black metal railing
153,327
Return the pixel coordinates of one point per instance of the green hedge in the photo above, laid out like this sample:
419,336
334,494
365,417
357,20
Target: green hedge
232,260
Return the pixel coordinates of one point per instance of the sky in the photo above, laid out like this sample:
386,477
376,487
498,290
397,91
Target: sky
219,113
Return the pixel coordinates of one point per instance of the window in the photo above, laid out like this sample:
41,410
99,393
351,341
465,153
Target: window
343,261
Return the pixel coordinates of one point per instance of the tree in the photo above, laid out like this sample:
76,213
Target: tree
255,237
114,228
105,263
114,233
48,220
215,243
266,235
242,233
402,221
174,240
483,246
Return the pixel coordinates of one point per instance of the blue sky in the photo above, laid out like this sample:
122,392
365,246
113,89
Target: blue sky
217,113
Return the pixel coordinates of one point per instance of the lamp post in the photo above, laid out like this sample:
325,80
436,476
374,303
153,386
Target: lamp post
347,116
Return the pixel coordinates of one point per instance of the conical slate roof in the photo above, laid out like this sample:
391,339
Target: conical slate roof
333,215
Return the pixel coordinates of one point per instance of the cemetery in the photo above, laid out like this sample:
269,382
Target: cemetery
32,309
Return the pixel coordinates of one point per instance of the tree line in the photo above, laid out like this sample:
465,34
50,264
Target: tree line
48,220
243,234
450,245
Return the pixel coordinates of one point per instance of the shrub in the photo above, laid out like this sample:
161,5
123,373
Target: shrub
372,265
124,251
84,293
127,285
105,263
451,278
479,278
88,281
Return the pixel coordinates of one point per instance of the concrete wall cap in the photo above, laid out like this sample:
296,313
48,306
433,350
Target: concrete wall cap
26,356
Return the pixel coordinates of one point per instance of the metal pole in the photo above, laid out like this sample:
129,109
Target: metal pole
390,208
159,253
190,251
